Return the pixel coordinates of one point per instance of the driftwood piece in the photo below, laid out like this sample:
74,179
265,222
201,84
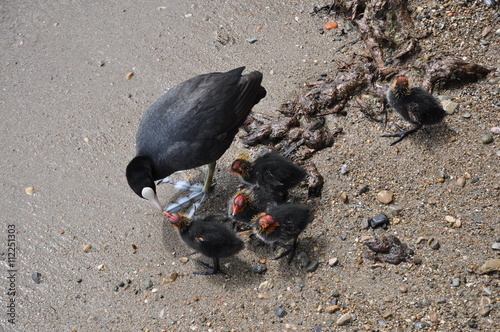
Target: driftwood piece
452,71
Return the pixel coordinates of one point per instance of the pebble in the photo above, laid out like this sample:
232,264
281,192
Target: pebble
441,300
280,312
37,277
466,115
333,261
487,138
129,75
313,266
259,268
434,244
496,246
474,180
365,223
394,210
495,130
455,282
333,308
343,197
385,196
344,319
344,169
403,289
379,221
79,280
449,106
87,248
363,190
420,325
30,191
263,296
251,40
121,284
461,181
115,289
472,324
434,318
147,284
303,259
484,312
184,259
491,265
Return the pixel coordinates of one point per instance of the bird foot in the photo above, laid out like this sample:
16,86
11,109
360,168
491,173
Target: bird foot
290,251
402,134
209,270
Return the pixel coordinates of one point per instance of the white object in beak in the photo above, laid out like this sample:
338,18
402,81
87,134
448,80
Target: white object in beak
149,194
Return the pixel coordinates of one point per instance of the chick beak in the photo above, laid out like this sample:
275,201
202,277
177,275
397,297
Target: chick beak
149,194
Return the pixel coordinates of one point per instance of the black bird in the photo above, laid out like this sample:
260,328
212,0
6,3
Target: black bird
282,224
208,236
415,105
248,202
271,171
191,125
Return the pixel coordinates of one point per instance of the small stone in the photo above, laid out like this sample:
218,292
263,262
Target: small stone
466,115
101,267
461,181
385,196
403,289
115,289
474,180
487,138
251,40
129,75
441,300
420,325
259,268
434,318
449,106
363,190
313,266
263,296
495,130
483,312
303,259
333,308
495,246
147,284
37,277
280,312
344,169
486,31
79,280
450,219
128,281
343,197
491,265
30,191
455,282
87,248
184,259
173,276
379,221
417,260
472,324
394,210
365,223
434,244
333,261
344,319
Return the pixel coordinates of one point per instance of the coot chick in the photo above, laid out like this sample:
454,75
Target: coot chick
271,171
191,125
415,105
248,202
282,224
208,236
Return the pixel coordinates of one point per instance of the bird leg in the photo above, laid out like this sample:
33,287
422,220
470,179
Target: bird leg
210,175
402,133
210,270
290,250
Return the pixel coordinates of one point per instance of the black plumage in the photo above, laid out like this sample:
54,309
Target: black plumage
208,236
271,171
283,224
191,125
415,105
248,202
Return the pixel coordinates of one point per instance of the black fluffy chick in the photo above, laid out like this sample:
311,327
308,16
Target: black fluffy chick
191,125
281,225
271,171
415,105
208,236
248,202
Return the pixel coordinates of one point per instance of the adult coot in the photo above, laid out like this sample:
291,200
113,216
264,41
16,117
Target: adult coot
191,125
